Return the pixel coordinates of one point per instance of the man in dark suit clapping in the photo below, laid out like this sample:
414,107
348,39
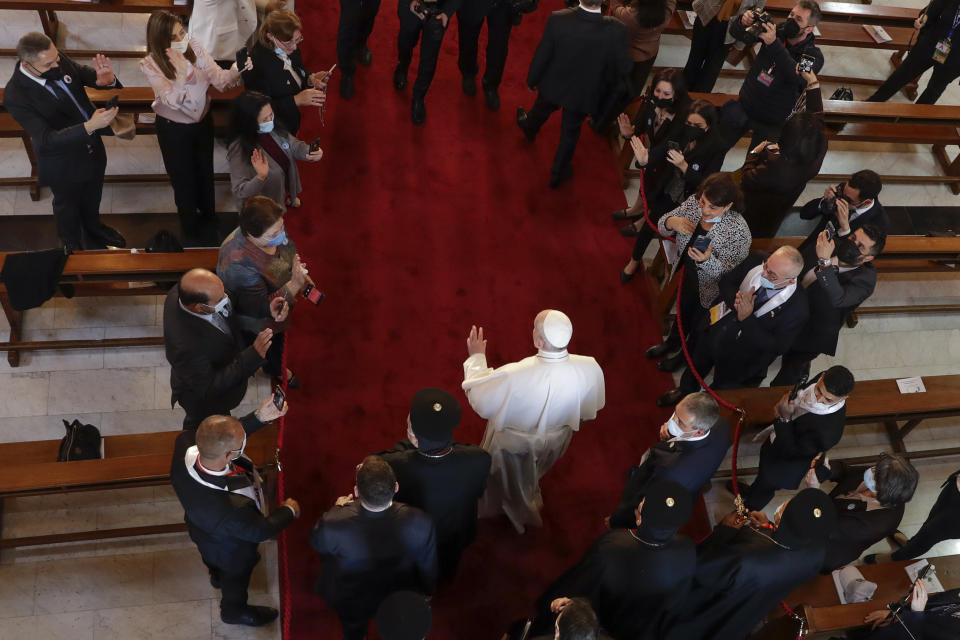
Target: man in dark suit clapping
46,96
210,364
581,56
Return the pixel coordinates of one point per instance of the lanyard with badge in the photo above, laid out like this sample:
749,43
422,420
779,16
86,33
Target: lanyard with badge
942,50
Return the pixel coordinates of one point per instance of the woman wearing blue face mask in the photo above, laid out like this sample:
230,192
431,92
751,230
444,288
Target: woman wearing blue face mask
263,155
259,263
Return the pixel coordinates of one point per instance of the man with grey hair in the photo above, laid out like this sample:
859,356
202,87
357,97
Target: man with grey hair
693,443
759,313
532,408
46,97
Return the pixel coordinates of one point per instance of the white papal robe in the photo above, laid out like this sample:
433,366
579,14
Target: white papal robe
532,408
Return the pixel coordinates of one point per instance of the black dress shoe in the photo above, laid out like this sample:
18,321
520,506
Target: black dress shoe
491,96
251,616
621,214
626,277
112,236
418,111
469,85
364,56
630,231
673,363
522,123
558,179
346,86
399,79
657,351
670,398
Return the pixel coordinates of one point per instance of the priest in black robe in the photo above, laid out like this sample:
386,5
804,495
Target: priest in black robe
443,478
746,567
632,577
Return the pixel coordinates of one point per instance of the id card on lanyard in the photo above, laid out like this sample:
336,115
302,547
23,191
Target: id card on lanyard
942,50
766,77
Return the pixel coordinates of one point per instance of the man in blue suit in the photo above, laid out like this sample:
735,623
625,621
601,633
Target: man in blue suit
693,443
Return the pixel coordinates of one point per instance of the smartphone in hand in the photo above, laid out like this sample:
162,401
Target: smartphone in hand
702,243
279,397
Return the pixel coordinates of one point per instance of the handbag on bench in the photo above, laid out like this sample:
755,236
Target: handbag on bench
82,442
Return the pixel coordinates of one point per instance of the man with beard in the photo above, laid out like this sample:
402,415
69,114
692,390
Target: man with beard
632,577
841,281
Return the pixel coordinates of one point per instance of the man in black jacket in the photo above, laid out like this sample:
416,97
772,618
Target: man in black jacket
806,429
500,19
225,508
46,97
431,17
356,24
760,311
372,546
841,281
693,443
205,349
581,54
443,478
773,85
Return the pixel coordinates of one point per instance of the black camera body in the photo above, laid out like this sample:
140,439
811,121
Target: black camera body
760,17
829,205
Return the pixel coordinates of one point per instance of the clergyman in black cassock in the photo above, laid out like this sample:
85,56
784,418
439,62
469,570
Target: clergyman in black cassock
443,478
372,546
633,577
744,569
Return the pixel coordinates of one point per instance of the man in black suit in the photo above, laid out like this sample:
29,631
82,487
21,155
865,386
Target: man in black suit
807,427
46,97
225,508
443,478
841,281
500,18
356,24
430,17
847,206
693,443
209,362
760,312
372,546
581,54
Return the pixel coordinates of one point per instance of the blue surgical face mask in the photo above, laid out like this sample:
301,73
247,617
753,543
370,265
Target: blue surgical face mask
766,284
279,51
223,307
673,427
266,127
714,220
870,480
279,239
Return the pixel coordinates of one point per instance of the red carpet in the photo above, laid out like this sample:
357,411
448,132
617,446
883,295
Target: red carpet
414,234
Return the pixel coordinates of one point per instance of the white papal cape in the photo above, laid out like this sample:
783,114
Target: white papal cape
532,408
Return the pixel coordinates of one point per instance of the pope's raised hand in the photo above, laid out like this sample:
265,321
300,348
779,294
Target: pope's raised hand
476,342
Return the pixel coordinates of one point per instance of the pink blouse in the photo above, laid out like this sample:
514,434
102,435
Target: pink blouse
184,99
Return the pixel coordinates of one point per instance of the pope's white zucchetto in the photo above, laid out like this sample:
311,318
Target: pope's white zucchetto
557,329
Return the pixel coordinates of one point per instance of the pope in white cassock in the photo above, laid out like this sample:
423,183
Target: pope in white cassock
532,408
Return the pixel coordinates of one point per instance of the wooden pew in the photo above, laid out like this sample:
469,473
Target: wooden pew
107,273
133,100
137,460
881,15
47,9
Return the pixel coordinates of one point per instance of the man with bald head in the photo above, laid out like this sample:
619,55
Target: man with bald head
759,313
225,508
532,408
210,363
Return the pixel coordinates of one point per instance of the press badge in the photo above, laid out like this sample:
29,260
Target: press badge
765,77
941,51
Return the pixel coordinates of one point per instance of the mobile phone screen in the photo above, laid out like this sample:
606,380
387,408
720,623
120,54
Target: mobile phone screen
278,397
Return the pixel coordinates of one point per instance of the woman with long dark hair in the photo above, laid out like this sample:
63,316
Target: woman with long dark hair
666,98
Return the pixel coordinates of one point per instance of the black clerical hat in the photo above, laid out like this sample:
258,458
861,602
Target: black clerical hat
809,516
433,414
404,615
667,505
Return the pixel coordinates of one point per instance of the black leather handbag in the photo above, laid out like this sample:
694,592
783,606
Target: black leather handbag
82,442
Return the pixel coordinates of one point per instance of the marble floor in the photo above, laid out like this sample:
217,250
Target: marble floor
156,587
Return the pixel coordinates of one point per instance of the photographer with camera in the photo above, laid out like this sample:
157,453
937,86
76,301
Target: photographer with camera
713,37
773,83
431,17
927,618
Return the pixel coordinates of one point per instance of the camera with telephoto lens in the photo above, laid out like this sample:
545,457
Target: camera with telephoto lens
829,205
429,8
760,17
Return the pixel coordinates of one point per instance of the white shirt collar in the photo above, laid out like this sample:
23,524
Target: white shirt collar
40,81
597,10
752,279
689,439
553,356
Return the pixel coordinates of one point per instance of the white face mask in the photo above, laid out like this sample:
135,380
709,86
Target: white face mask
182,45
673,427
223,307
807,398
870,480
242,447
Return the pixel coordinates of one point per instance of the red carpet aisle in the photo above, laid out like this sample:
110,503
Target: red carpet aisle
414,234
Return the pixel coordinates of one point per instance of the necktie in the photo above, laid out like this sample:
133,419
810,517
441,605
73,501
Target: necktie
220,323
762,296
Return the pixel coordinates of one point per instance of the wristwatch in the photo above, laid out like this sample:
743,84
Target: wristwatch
823,263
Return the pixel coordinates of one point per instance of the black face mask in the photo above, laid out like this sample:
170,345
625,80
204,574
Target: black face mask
788,29
848,252
663,103
53,73
691,133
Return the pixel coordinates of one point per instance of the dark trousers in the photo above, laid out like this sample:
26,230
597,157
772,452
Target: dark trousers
620,95
356,24
658,204
233,586
187,151
762,490
711,352
76,209
570,124
410,28
917,61
707,54
942,523
499,24
794,365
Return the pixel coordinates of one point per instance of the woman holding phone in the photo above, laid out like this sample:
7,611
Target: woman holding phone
180,71
711,238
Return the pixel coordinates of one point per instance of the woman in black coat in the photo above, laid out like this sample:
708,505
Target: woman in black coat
666,99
